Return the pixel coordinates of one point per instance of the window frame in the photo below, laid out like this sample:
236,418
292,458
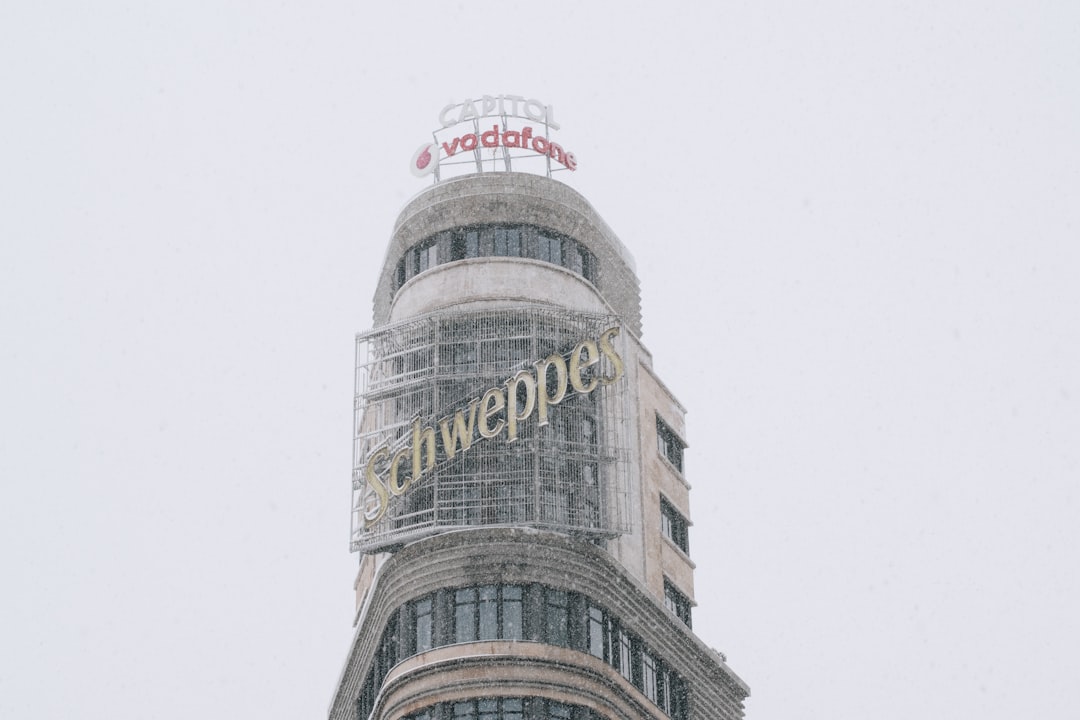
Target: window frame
678,602
674,526
669,445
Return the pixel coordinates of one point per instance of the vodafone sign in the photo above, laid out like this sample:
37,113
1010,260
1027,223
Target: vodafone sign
518,132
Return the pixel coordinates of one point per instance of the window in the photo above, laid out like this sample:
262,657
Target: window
511,612
597,639
506,708
669,444
465,615
674,526
556,615
549,249
648,665
422,624
427,254
465,243
487,612
507,242
574,257
676,602
498,240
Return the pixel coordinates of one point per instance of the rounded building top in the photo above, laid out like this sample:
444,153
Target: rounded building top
512,199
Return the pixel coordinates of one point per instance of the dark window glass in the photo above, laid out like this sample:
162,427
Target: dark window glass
511,607
573,258
506,242
556,616
559,711
626,665
423,624
489,709
648,676
489,612
499,242
549,249
465,615
669,444
680,700
587,265
663,688
676,602
427,254
513,709
465,243
596,632
674,526
495,611
513,242
465,710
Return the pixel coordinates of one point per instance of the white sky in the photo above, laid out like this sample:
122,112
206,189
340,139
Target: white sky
856,226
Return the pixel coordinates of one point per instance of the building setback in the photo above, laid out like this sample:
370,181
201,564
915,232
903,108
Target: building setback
519,497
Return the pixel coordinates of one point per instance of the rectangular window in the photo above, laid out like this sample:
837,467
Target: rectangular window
679,701
587,265
513,242
669,445
489,612
513,709
674,526
558,711
676,602
489,709
597,642
574,258
465,244
465,615
648,676
422,624
556,616
549,249
499,241
426,256
663,688
511,612
465,710
626,664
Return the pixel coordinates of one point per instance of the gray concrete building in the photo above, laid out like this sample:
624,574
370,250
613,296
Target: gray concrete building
519,498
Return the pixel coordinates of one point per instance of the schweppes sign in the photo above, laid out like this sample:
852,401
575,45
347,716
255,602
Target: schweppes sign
500,410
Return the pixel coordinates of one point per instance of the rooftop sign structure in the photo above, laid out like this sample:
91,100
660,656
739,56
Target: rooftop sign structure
492,134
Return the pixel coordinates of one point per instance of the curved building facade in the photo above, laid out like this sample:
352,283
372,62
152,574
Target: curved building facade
519,496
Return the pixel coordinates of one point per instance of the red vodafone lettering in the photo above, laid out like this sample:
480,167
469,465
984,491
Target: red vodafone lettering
519,139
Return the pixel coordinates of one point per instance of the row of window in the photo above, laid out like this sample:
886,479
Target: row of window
531,708
526,241
529,612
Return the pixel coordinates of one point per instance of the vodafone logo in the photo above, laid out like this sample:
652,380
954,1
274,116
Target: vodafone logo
523,139
425,160
503,132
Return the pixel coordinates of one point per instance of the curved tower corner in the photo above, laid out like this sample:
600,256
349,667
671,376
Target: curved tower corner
519,498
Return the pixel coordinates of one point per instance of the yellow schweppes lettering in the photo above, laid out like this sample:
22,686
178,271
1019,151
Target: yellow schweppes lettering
591,364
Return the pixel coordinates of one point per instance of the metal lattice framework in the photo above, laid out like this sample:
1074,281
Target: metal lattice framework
569,475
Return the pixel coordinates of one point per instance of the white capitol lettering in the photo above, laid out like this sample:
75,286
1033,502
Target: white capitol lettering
490,105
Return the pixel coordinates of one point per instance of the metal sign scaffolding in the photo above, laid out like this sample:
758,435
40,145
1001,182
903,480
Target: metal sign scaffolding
568,475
